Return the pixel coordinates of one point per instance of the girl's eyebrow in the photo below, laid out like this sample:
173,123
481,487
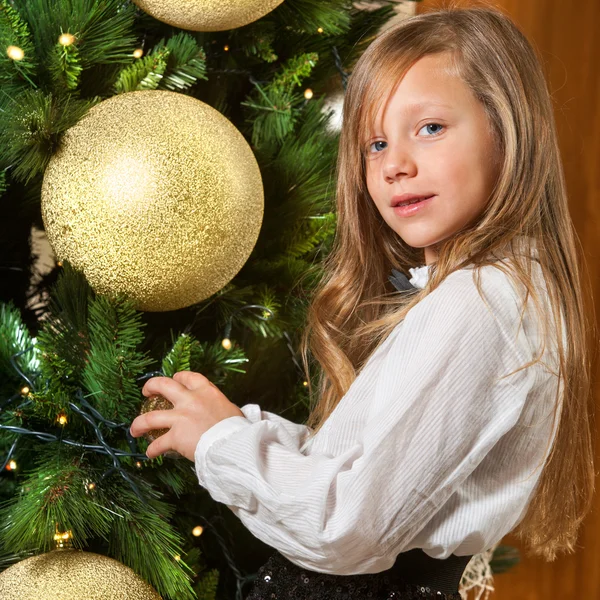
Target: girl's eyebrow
420,105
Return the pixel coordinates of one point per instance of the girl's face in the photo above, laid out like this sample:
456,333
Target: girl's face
442,147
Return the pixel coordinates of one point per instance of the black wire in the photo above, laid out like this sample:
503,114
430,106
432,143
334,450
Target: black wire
340,67
92,417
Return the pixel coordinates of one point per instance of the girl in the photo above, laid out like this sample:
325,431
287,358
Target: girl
438,424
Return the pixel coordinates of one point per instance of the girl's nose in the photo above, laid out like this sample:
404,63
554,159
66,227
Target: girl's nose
398,163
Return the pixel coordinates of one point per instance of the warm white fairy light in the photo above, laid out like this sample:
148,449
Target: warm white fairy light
15,53
66,39
197,531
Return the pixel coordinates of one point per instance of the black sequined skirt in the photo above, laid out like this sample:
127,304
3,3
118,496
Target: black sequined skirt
414,575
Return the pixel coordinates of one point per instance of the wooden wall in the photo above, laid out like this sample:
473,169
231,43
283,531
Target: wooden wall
567,36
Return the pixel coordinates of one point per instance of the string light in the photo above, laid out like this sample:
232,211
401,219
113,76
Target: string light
15,53
138,53
24,390
320,30
177,557
11,466
197,531
226,47
90,417
89,486
308,93
66,39
59,263
138,464
266,314
62,419
305,383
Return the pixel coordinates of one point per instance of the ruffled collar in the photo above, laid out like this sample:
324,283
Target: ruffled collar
420,276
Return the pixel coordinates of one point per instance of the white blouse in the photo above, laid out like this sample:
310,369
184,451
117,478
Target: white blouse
427,449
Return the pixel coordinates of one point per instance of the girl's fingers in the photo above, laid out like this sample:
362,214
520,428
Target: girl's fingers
170,389
156,419
190,379
159,446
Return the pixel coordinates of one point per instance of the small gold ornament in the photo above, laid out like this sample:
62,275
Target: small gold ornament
73,575
207,15
157,402
156,195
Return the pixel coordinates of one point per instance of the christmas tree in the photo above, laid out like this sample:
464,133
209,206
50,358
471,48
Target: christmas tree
74,356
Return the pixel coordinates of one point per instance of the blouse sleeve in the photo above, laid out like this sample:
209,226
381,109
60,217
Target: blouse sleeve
443,397
297,431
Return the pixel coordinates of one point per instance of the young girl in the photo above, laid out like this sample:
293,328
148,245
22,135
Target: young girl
437,428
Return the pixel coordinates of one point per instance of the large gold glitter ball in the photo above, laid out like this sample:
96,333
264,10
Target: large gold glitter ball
157,402
207,15
156,195
69,574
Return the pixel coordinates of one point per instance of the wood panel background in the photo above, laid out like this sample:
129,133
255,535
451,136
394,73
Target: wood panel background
566,35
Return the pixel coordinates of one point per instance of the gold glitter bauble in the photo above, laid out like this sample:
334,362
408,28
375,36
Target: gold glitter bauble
73,575
156,195
207,15
157,402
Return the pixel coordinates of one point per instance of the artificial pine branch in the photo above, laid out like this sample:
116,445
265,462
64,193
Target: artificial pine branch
55,493
206,588
15,340
139,529
30,128
186,63
178,357
103,28
306,16
258,40
144,74
114,362
292,72
64,64
14,31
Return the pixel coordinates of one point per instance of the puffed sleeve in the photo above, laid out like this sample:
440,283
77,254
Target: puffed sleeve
297,431
443,397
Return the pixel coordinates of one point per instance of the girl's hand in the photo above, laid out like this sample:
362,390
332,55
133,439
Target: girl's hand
198,405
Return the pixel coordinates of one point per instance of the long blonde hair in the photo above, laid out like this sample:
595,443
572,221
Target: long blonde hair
354,307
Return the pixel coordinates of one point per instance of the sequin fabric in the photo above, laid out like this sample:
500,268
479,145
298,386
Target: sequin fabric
280,579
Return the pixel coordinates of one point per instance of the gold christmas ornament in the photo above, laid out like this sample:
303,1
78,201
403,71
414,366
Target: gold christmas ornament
156,195
73,575
157,402
207,15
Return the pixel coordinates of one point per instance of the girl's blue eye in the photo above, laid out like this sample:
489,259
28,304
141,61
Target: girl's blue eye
378,142
429,124
426,125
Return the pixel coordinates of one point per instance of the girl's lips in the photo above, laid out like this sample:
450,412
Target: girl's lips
410,209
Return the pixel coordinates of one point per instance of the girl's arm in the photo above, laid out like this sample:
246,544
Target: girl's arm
438,408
